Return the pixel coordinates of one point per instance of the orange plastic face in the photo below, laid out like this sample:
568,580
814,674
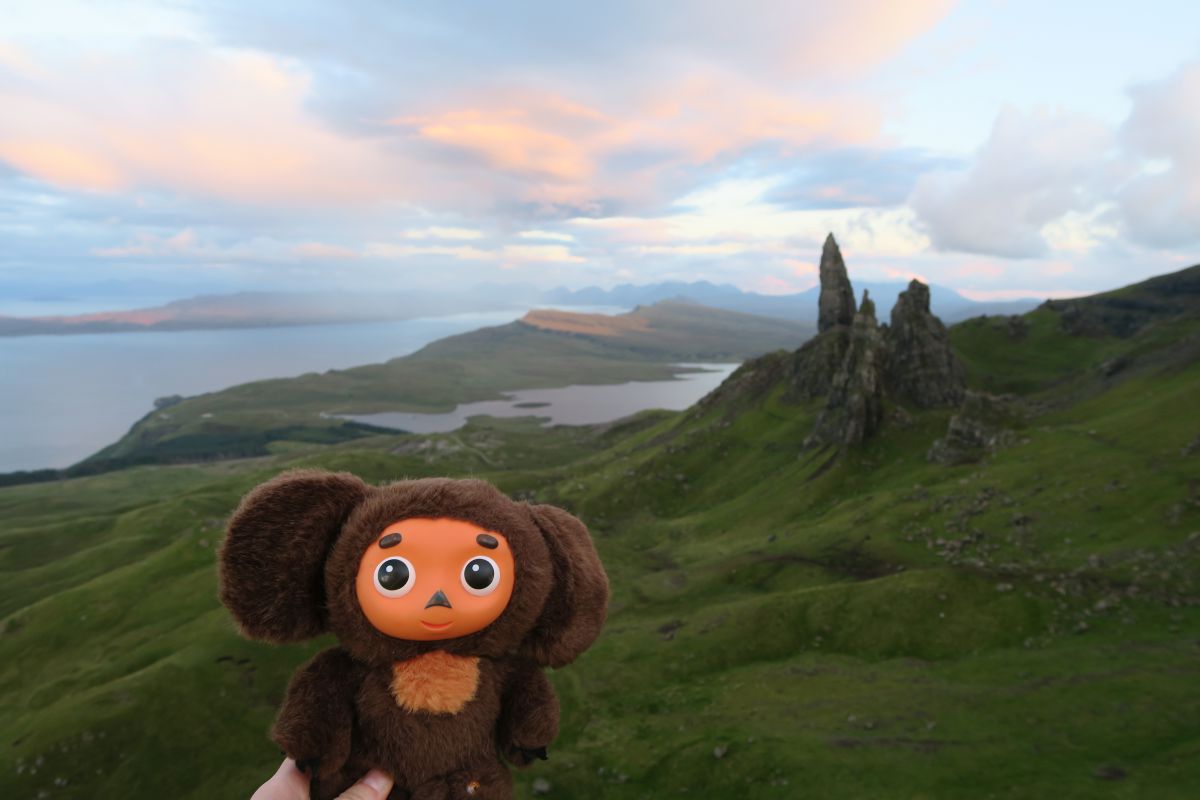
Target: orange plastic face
435,554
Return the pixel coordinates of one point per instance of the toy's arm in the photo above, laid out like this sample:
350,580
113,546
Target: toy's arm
529,719
314,725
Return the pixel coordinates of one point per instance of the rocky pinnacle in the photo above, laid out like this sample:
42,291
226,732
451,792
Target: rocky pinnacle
836,305
922,369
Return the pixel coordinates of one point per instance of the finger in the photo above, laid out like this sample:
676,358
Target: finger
375,785
288,783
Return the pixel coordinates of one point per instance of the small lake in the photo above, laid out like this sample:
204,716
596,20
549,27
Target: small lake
568,405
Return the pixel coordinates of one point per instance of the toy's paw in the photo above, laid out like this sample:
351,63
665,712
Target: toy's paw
524,756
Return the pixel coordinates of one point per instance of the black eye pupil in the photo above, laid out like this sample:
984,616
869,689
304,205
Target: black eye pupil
393,574
479,573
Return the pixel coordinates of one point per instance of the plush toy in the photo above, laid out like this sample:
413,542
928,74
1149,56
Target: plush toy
447,598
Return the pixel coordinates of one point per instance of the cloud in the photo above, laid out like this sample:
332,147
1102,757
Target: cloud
855,177
552,236
1160,207
1033,169
396,251
443,233
540,254
531,111
187,120
323,251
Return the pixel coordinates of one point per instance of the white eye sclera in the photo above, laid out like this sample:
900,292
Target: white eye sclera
395,576
481,576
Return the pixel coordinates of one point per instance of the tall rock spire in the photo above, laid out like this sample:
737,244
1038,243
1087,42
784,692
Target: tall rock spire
854,407
922,368
836,305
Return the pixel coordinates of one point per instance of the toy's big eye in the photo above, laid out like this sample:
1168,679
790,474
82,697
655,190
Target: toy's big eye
394,577
481,576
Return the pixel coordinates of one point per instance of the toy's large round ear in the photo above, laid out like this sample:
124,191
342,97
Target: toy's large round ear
272,563
576,607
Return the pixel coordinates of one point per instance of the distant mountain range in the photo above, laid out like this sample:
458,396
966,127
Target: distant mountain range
947,303
266,309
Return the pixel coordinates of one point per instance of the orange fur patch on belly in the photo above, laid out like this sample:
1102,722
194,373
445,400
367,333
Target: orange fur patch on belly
436,682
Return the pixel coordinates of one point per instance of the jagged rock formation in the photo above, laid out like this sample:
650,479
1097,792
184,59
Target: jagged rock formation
836,304
982,425
854,409
860,368
922,369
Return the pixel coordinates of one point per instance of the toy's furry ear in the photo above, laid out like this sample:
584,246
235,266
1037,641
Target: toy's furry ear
578,603
272,563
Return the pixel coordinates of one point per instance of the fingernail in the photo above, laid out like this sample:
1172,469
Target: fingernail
377,780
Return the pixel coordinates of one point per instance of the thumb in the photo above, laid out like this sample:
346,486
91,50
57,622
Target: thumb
375,785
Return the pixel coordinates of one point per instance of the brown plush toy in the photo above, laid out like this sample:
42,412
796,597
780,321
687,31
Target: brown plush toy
448,600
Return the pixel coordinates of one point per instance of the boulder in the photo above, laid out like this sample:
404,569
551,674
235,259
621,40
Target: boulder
984,423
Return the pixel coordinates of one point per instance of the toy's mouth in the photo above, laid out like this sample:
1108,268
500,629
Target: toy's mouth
437,626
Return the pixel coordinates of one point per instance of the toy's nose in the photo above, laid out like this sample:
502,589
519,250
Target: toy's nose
439,599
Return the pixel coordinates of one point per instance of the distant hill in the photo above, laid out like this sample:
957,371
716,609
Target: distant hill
268,309
545,349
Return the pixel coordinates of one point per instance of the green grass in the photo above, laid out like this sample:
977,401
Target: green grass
783,623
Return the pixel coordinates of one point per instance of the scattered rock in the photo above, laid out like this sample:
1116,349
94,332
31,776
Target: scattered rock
1112,366
1192,447
720,750
668,629
541,786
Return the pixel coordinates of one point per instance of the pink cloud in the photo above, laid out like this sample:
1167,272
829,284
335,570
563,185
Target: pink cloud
208,123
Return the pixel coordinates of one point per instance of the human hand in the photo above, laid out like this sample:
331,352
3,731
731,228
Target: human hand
289,783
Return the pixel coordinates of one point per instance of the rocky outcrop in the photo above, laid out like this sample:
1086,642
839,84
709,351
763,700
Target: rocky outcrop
922,369
836,304
856,371
813,366
854,408
982,425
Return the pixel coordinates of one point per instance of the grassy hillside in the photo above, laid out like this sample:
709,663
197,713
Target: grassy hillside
784,623
480,365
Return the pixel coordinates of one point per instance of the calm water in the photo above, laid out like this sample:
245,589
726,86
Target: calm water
569,405
62,398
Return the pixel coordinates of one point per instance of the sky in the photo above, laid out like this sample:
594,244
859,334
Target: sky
1007,148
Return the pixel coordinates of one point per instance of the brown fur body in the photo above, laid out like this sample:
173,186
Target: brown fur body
381,702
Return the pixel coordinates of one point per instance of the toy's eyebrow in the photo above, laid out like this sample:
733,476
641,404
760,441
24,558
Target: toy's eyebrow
484,540
391,540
